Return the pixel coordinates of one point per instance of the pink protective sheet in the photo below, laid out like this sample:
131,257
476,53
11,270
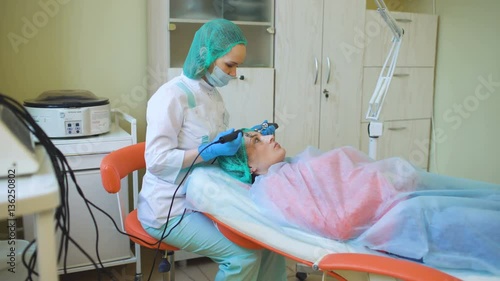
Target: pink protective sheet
428,224
337,194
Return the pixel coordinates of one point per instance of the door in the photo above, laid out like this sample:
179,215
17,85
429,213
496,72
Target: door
112,245
249,99
318,66
298,44
342,80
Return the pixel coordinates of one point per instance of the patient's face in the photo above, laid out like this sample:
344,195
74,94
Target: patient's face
262,152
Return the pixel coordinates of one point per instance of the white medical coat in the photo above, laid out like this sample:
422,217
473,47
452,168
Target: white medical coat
181,115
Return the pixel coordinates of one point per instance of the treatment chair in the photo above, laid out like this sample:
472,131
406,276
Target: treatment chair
244,224
116,166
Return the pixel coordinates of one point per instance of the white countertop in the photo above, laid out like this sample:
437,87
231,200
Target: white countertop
30,193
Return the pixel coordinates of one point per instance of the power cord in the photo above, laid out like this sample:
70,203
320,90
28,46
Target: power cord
62,214
61,170
223,139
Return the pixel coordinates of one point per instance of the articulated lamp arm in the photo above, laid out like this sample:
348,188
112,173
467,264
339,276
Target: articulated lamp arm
397,31
375,128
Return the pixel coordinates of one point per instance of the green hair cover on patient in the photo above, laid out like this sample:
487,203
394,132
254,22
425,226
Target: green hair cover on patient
212,41
237,165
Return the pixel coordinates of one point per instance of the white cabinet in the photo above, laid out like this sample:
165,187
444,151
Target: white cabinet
408,107
84,156
254,17
171,28
319,68
249,101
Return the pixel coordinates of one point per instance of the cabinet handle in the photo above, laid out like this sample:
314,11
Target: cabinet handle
329,69
401,75
403,20
317,69
271,30
172,26
397,128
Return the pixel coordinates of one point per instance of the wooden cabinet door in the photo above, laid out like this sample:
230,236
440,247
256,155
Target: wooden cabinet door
410,94
342,76
408,139
298,64
419,40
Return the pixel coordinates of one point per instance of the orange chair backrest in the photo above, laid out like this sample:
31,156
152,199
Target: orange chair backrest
119,163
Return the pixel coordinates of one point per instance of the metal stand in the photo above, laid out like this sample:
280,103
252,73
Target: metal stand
167,266
375,128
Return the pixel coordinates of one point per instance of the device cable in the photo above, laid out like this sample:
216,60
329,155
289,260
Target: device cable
226,138
62,213
59,164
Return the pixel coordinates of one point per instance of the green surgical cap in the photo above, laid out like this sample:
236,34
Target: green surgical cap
212,41
237,165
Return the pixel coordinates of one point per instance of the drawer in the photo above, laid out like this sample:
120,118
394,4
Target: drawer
407,139
410,94
85,162
113,246
419,40
91,146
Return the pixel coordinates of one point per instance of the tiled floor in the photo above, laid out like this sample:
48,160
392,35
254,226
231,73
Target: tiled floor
199,269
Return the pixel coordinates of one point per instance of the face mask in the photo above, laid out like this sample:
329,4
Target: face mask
218,78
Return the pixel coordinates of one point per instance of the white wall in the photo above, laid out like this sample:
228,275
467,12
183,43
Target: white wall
467,95
96,45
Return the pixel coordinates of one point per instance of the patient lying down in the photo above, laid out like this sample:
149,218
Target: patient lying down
387,205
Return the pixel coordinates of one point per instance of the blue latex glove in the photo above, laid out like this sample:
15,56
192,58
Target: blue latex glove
219,149
264,131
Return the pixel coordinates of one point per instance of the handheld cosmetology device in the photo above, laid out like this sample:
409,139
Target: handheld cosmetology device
232,136
165,265
266,125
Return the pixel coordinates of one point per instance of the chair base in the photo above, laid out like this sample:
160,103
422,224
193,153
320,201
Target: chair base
167,266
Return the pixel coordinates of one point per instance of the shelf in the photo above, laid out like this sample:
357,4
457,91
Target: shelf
259,36
202,21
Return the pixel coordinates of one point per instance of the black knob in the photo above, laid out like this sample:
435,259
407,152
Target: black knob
242,77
